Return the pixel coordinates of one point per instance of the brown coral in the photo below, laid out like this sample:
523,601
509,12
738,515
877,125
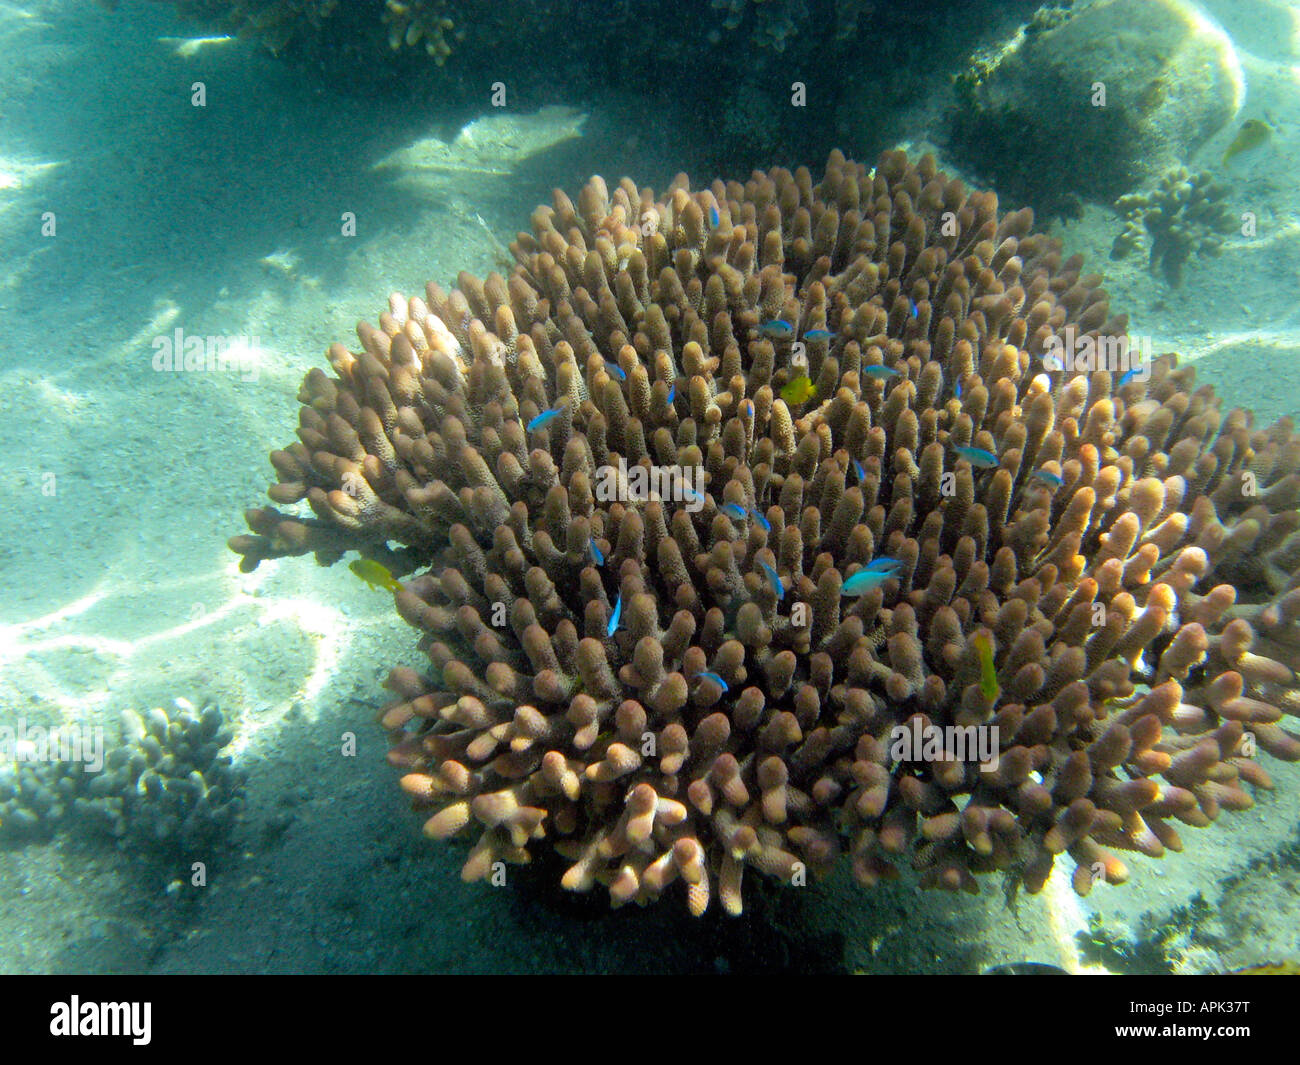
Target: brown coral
1142,613
413,23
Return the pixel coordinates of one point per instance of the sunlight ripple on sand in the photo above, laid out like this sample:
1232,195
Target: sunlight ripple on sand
492,144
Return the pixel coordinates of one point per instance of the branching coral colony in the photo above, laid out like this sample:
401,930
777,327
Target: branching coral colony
1185,213
687,690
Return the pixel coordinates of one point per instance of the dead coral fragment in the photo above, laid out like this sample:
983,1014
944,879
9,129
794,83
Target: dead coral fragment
279,24
661,714
276,23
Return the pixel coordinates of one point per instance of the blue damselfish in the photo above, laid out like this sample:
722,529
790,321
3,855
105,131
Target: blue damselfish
864,580
977,456
774,579
543,418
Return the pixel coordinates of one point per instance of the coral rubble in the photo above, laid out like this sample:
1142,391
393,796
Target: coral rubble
1183,215
680,689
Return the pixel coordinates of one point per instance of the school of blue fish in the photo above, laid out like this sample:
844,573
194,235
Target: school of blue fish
864,579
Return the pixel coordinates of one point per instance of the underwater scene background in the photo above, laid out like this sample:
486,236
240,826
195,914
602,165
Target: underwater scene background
910,515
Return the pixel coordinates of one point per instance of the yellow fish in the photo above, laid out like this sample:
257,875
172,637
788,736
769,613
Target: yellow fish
800,390
374,574
1253,133
988,676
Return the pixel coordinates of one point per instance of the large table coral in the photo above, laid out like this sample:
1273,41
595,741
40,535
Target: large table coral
687,688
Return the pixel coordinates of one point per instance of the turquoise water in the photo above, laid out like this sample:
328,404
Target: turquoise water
168,188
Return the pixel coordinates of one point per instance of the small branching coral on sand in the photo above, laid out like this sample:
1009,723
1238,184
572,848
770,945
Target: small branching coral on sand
1184,215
